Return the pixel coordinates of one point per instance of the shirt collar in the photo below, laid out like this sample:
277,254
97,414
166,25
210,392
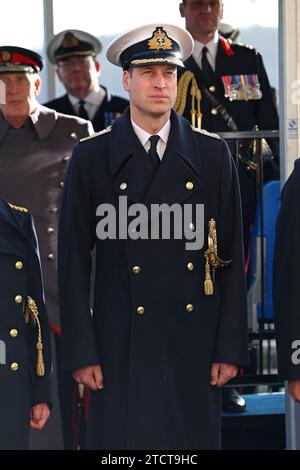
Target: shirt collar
144,136
212,47
96,97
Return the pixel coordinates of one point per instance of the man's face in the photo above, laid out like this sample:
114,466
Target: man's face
202,16
21,90
79,75
152,89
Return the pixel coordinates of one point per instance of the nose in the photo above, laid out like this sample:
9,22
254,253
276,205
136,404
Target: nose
159,81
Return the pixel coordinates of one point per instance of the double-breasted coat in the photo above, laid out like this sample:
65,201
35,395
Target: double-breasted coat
286,278
33,163
20,277
153,330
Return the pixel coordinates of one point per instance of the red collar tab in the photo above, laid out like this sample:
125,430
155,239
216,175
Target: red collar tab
226,46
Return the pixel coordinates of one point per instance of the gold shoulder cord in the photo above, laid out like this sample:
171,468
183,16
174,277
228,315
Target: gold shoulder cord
182,90
32,313
212,259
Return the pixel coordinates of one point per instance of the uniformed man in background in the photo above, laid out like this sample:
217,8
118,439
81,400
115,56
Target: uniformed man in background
224,87
35,147
286,280
74,54
25,353
165,333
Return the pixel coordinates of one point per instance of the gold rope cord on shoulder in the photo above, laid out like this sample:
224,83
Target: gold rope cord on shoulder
32,313
182,90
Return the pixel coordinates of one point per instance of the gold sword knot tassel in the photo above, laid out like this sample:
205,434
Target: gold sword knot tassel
32,313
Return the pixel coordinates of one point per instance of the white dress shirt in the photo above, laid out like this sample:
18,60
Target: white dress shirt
212,49
91,102
144,137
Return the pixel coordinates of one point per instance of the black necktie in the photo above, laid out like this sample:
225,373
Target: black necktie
152,152
207,70
82,111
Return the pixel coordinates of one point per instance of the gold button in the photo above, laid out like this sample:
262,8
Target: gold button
190,266
136,270
50,257
19,265
189,185
192,227
13,333
123,186
50,230
18,299
214,111
212,88
189,308
140,310
61,184
54,210
14,366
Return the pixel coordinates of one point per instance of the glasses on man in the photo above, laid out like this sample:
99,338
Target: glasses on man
81,62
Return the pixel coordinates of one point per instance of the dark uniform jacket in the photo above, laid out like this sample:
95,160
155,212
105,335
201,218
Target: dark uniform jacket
111,108
239,60
33,162
286,279
154,331
20,277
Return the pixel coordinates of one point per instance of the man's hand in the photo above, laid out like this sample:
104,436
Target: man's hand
294,389
39,415
220,373
90,376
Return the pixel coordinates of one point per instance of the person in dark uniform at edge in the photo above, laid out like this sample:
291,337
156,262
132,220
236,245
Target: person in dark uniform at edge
25,353
217,67
35,147
165,333
74,54
286,296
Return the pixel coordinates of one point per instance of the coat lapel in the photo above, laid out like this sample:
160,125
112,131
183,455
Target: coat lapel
9,224
134,172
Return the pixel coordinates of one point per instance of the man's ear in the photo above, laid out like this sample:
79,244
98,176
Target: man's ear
181,9
126,78
37,85
98,66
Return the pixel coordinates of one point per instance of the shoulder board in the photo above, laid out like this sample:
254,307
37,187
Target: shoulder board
204,132
247,46
105,131
17,208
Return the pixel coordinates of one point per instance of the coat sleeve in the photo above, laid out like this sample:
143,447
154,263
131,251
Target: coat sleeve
75,242
41,389
231,344
286,278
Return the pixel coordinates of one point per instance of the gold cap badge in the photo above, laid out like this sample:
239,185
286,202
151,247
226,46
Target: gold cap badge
160,40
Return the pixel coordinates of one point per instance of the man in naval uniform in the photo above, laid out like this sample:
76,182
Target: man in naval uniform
168,328
25,353
35,148
74,54
286,297
232,93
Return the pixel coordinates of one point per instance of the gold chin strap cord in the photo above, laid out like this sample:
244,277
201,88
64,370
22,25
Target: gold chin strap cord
32,313
212,260
182,90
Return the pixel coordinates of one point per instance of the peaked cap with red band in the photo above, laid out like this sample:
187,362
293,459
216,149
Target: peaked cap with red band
19,60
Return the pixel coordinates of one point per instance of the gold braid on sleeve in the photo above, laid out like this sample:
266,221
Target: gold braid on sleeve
32,313
182,90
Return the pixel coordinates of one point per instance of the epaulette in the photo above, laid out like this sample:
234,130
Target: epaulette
204,132
248,46
105,131
17,208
